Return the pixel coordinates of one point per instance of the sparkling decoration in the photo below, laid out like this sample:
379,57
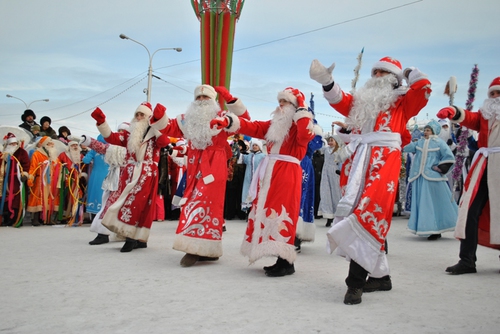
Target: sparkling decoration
462,139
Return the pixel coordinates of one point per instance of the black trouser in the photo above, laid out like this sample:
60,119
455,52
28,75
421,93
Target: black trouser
468,246
357,276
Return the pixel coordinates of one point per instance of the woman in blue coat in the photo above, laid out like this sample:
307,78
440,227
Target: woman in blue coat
433,209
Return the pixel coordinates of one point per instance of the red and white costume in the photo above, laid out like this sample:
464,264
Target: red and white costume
487,157
202,214
127,211
369,178
276,186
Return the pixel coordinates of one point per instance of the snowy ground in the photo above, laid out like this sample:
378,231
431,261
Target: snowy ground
54,282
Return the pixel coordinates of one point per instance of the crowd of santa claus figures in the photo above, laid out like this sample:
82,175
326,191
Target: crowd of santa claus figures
64,180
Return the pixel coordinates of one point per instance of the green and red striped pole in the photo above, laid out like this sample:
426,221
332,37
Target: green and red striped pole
217,27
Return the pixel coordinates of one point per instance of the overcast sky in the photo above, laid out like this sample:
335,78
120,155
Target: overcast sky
70,52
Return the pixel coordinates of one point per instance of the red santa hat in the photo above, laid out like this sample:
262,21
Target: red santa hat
123,126
494,85
205,90
73,142
390,65
145,108
10,138
289,94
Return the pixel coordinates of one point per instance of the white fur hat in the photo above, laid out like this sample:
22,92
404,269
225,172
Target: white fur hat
256,142
205,90
288,95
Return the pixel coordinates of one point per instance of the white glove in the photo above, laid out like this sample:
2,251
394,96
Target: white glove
85,140
319,73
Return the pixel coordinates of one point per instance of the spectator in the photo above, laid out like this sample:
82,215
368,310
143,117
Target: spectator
28,118
46,129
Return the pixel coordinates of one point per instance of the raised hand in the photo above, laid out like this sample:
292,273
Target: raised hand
99,116
446,112
321,74
159,112
224,93
219,122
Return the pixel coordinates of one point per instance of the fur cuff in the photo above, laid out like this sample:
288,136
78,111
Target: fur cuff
235,125
302,113
237,108
318,131
334,95
459,115
85,175
104,129
25,174
159,124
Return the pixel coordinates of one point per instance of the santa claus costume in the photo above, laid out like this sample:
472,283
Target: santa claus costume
276,186
14,166
44,178
377,114
478,220
199,233
127,210
73,184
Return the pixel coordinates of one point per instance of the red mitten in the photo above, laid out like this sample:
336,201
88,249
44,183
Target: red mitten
219,122
224,93
99,116
446,112
158,112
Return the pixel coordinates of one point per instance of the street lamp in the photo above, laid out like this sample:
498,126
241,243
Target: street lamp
27,105
150,69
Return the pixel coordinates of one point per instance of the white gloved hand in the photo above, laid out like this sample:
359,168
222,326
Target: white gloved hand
319,73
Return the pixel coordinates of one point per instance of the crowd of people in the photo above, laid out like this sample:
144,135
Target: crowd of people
209,165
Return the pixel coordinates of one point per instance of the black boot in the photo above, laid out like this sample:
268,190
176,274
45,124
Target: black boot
141,244
434,236
329,222
283,268
273,266
35,221
297,244
100,239
128,246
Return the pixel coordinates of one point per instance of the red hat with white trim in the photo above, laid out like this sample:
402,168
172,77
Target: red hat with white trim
494,85
10,138
145,108
391,65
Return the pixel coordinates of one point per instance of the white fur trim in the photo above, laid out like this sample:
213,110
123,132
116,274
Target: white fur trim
308,231
182,201
85,175
334,95
236,123
302,113
198,246
318,131
208,179
161,123
104,129
288,96
205,90
237,108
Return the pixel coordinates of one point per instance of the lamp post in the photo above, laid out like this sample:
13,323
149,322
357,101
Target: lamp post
27,105
150,69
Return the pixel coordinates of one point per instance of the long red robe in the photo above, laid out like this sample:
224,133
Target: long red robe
359,230
272,221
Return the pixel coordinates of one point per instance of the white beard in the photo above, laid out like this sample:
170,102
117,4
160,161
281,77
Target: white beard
50,152
197,123
75,155
444,134
280,124
10,150
491,109
377,95
137,131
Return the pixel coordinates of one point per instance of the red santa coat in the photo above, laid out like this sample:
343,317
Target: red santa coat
20,165
488,137
202,213
272,221
364,214
73,189
128,210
